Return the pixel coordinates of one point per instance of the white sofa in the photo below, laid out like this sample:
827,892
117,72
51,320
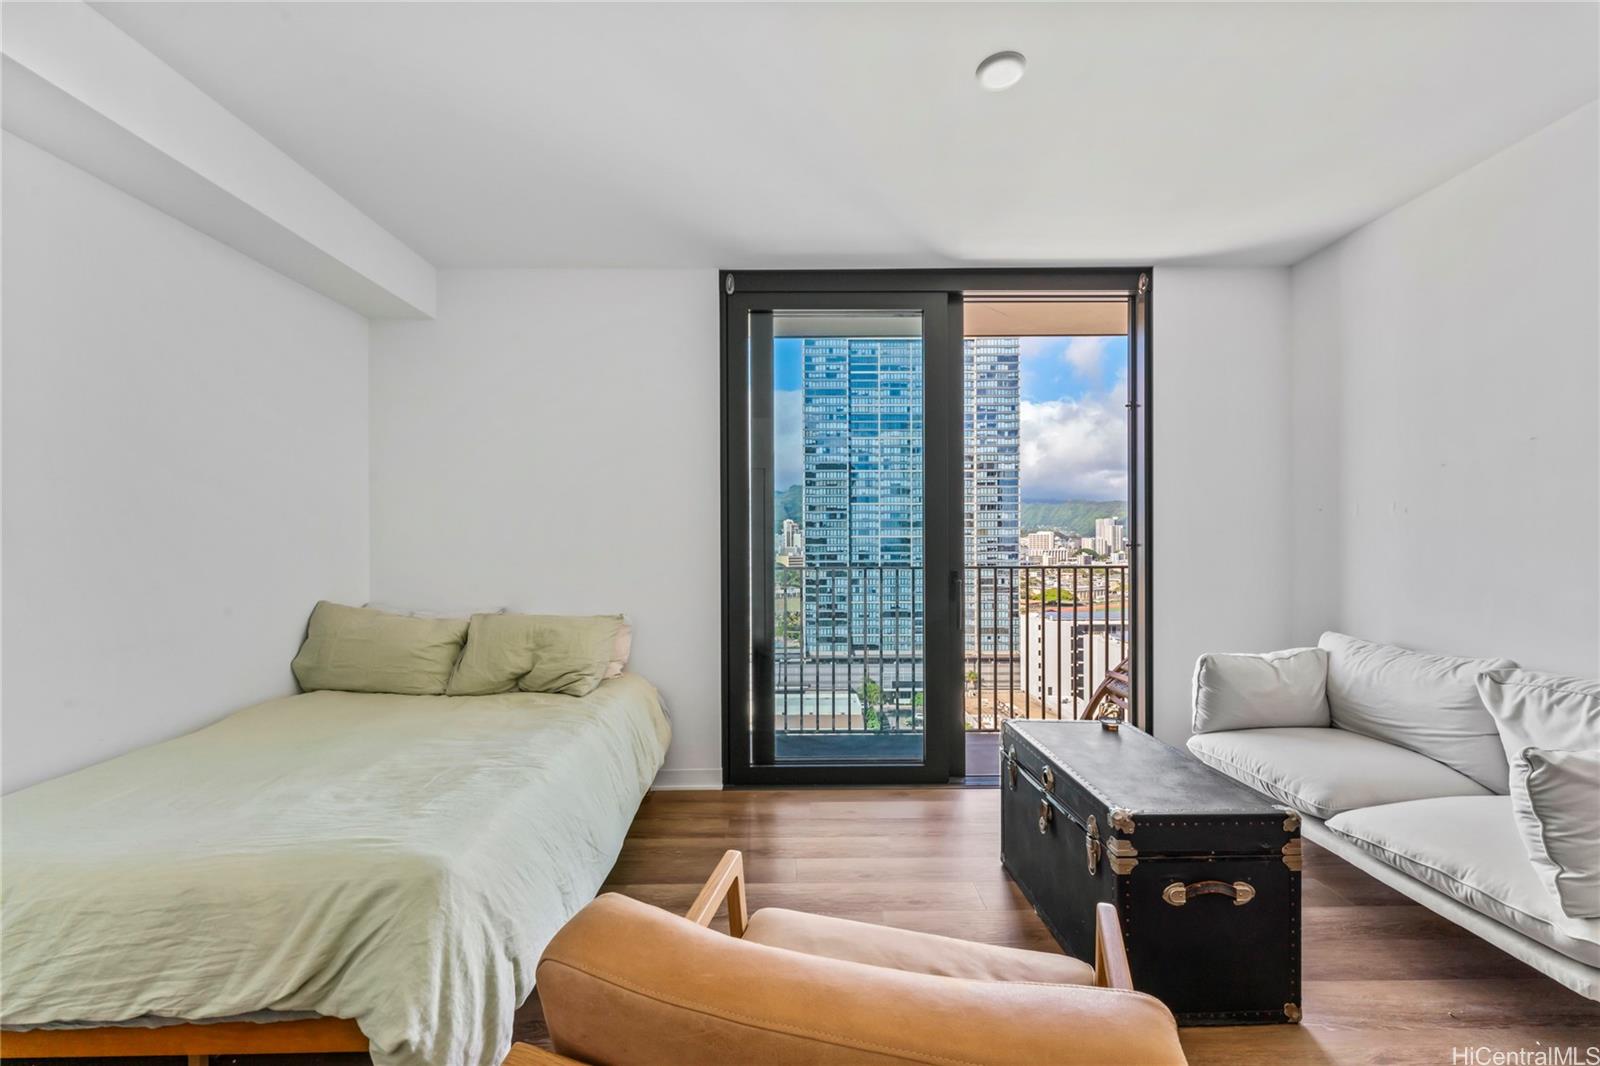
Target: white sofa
1395,763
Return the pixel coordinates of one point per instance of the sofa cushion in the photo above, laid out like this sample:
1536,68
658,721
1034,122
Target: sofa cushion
1321,772
1469,848
914,952
1279,689
1428,703
1555,796
1534,710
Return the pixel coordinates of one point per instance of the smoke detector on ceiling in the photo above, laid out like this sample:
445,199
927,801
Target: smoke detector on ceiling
1001,70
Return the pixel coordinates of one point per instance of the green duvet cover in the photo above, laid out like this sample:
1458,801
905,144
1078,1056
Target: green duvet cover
397,860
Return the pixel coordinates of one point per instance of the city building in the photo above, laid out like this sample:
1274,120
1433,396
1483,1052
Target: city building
1093,646
1041,541
863,419
1108,534
862,533
991,475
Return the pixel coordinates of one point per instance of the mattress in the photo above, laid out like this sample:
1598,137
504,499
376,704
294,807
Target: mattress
396,860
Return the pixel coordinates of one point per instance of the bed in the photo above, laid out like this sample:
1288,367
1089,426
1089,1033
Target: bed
316,866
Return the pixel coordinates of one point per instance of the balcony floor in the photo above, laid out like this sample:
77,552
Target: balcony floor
983,749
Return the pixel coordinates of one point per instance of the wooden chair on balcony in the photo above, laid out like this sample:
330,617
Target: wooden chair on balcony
628,984
1110,700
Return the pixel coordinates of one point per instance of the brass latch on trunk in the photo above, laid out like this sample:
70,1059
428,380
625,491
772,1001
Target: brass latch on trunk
1291,854
1091,844
1121,855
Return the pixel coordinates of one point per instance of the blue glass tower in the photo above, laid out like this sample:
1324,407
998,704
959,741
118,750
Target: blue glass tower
863,434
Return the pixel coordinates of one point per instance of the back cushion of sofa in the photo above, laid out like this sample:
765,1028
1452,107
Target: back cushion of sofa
1535,710
1428,703
1280,689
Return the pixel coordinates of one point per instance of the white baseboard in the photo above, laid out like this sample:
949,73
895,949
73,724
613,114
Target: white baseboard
672,780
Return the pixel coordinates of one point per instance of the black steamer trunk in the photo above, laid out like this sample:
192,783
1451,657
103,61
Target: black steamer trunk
1204,872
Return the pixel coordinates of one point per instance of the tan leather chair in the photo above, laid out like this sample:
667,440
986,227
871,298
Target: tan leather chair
627,984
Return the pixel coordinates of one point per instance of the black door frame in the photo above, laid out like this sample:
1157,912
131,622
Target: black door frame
945,752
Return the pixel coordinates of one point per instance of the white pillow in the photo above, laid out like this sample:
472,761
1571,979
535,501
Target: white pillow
1278,689
1534,710
1556,798
1428,703
620,650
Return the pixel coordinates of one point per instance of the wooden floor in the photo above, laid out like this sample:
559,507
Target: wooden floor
1385,981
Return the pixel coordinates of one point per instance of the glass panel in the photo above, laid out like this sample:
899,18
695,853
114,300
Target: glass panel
1045,477
847,620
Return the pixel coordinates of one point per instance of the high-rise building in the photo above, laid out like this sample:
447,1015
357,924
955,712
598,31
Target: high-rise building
863,499
1107,536
1068,656
793,539
991,479
1041,541
863,496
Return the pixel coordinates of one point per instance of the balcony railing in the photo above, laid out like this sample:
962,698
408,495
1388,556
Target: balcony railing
1040,639
847,648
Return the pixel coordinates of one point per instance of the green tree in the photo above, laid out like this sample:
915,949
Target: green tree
871,694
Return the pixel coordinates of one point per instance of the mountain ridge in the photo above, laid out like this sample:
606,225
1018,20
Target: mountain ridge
1071,516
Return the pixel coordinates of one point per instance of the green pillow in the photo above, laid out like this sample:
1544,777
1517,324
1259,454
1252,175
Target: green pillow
536,653
357,649
499,651
570,652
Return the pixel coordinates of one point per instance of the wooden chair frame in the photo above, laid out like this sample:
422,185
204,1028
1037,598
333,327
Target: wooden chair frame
726,885
1109,701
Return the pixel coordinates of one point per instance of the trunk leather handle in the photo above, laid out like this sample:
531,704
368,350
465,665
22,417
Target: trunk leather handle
1178,893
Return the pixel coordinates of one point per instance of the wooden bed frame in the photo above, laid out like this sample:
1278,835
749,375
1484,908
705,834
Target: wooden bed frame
318,1035
197,1042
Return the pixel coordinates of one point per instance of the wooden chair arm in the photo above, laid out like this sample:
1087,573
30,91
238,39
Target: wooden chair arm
528,1055
725,883
1110,953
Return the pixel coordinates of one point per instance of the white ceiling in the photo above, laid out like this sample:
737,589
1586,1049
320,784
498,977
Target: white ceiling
744,135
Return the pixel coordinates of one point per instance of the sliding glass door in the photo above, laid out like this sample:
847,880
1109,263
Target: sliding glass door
931,523
846,617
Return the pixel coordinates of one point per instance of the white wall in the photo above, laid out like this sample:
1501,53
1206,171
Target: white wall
185,466
1447,358
1221,473
550,442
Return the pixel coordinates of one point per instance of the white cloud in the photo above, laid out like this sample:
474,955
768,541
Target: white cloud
1087,356
1076,449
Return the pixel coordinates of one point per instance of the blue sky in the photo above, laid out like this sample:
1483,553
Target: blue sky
1068,368
1074,436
